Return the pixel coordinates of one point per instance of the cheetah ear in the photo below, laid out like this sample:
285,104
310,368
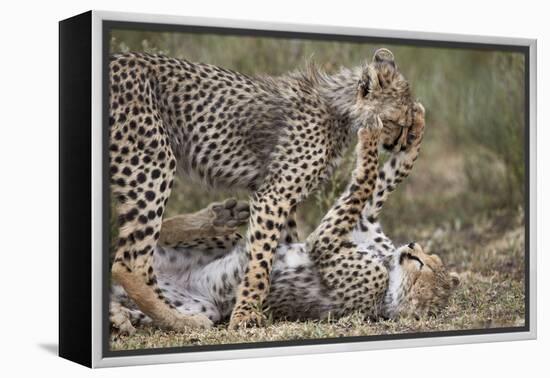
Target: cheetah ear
386,69
455,279
365,83
384,55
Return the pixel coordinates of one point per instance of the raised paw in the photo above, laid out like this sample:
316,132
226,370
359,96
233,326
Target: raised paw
230,213
244,317
416,132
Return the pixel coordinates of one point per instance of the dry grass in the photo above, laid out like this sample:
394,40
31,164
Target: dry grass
488,256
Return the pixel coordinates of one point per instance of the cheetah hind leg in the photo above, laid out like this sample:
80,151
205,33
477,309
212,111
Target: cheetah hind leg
214,227
140,208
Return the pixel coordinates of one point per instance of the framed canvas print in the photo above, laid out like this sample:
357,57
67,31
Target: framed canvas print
234,189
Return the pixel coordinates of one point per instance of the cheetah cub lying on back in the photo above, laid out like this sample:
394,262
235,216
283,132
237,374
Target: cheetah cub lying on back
346,265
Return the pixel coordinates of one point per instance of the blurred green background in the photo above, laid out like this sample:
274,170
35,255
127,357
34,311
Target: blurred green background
471,164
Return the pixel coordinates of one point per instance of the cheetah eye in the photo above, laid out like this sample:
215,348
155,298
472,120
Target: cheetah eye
419,261
406,255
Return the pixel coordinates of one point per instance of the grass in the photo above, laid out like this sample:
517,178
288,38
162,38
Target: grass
488,256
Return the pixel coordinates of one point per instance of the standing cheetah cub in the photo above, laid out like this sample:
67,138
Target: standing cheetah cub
278,137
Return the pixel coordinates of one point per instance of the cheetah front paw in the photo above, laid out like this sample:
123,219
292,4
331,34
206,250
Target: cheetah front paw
201,321
229,214
416,132
197,321
246,317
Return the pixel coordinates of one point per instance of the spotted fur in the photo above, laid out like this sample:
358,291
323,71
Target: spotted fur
347,264
277,137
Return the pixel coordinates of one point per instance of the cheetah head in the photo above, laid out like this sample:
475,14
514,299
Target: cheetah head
425,284
384,91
